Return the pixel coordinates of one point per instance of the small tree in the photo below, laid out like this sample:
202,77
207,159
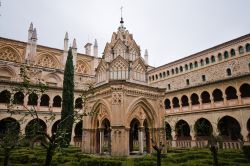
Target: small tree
68,98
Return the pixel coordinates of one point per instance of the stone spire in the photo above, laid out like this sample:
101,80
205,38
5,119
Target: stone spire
146,56
95,48
34,35
74,51
65,49
74,46
30,31
121,22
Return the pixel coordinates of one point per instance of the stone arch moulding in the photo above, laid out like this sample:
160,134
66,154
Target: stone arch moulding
82,64
7,72
6,51
147,108
105,113
47,60
52,78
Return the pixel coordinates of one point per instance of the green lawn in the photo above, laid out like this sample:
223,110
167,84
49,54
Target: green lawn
174,157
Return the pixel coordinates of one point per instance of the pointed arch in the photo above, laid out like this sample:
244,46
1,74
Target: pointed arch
47,60
9,53
102,111
7,72
147,108
82,67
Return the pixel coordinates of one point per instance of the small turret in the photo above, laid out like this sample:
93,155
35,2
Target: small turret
34,35
30,31
65,49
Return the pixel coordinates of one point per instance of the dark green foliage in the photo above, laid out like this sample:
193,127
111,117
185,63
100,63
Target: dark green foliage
246,151
100,162
68,98
145,163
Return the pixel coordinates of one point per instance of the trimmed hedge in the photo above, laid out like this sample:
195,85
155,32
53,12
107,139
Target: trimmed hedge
99,162
246,151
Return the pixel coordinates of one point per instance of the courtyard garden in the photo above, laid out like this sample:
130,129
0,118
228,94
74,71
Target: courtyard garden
71,156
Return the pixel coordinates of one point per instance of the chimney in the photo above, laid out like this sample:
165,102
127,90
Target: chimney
88,48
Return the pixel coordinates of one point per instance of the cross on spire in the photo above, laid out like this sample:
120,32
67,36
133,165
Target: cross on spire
121,17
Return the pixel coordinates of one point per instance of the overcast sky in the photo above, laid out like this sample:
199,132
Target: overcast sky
169,29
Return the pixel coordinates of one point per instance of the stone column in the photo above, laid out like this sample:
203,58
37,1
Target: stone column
25,100
72,142
141,140
239,97
201,104
51,104
174,138
101,139
193,139
224,98
212,100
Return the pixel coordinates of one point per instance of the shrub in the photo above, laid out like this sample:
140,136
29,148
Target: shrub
246,151
145,163
99,162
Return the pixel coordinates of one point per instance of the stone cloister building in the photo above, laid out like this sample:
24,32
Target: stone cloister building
179,104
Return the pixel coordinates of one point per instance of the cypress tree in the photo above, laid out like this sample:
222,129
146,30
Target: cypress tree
68,98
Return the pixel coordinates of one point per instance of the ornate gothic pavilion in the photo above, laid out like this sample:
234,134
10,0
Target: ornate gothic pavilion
179,104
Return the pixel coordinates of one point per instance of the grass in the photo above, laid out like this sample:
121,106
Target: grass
175,157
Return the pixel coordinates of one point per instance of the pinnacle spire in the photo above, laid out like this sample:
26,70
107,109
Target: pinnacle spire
95,45
74,43
31,27
66,36
34,34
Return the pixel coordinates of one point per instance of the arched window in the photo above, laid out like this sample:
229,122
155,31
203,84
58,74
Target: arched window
168,131
195,64
181,69
172,71
160,75
245,90
229,73
195,99
167,73
191,66
186,67
232,52
167,104
57,101
164,74
212,59
5,96
225,55
175,102
202,62
184,101
220,57
78,103
217,95
182,130
33,127
153,78
231,93
241,50
207,61
247,47
32,99
229,128
18,98
203,128
176,70
149,78
156,77
205,96
44,100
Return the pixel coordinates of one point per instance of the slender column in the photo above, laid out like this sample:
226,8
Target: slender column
101,139
224,98
174,138
25,100
180,105
212,101
193,139
200,101
72,142
51,104
38,103
171,105
190,103
141,140
239,97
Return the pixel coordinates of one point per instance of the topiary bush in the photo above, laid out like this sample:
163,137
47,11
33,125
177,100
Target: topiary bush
246,151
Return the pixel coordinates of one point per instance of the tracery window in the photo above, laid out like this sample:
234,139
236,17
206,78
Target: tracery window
8,54
47,61
81,67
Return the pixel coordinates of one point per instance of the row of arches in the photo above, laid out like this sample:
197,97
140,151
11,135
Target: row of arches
10,124
201,62
228,127
5,97
205,97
